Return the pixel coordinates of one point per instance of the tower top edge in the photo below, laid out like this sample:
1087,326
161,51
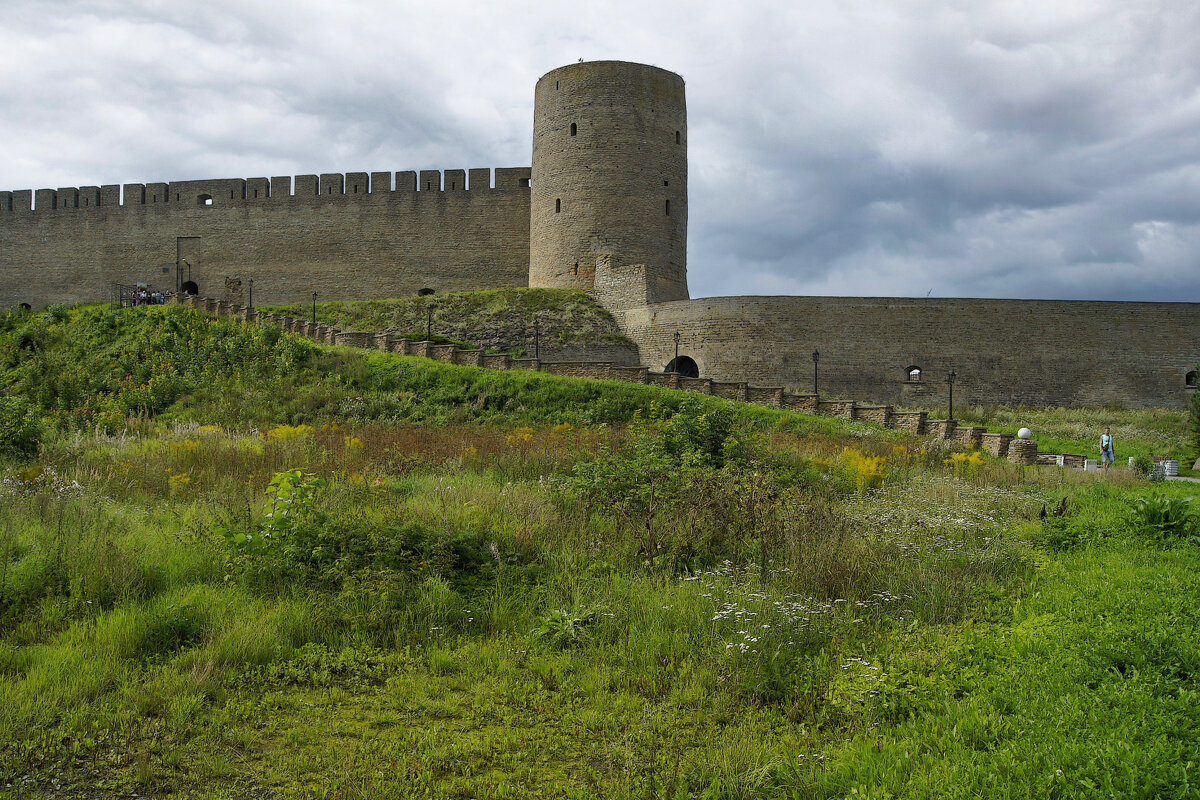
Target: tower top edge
609,66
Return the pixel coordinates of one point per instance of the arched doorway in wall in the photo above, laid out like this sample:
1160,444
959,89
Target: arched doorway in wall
686,367
190,287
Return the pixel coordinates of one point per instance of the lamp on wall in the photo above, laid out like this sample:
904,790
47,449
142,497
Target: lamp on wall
675,363
950,380
816,357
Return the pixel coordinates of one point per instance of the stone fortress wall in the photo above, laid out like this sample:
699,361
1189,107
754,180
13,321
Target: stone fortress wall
1009,352
602,208
352,236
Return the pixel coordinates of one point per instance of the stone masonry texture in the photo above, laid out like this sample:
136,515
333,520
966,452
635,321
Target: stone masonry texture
217,234
1010,352
609,176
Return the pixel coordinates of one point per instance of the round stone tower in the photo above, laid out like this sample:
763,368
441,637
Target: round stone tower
609,182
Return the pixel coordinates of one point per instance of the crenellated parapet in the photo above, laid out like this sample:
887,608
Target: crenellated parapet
281,189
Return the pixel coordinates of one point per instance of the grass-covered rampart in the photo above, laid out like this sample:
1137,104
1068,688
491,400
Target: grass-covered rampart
270,582
496,319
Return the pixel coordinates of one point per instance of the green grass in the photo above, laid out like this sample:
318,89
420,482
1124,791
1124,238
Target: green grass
1163,432
522,586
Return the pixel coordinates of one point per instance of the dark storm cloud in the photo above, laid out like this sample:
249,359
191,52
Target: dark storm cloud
837,147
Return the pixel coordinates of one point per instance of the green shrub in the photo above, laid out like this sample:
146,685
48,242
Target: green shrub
1166,516
1194,422
563,629
1143,466
20,429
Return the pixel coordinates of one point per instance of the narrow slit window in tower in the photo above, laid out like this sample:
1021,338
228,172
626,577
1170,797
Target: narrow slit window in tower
574,129
668,208
677,139
558,205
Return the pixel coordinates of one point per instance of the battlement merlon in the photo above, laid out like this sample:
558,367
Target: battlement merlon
222,191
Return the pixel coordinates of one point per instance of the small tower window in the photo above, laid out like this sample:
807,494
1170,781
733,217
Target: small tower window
525,183
1190,379
558,205
913,374
668,207
204,200
677,139
574,129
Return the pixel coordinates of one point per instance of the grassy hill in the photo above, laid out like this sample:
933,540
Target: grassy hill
498,319
236,564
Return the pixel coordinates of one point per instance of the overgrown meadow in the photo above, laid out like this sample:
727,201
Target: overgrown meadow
234,564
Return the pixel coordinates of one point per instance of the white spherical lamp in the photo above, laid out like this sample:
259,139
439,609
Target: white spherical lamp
1024,433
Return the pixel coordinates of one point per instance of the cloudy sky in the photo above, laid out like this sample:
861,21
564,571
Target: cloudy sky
1042,149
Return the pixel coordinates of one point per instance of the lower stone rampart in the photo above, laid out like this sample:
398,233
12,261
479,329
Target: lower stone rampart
915,422
1004,352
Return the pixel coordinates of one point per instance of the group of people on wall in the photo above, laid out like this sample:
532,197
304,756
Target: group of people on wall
145,296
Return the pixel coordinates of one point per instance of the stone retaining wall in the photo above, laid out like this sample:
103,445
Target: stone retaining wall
996,443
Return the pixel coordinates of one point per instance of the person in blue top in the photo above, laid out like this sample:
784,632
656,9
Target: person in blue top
1106,448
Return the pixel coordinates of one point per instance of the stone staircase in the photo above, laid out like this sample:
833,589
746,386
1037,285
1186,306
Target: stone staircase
917,423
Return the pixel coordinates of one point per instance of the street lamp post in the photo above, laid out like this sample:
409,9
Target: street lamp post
816,357
252,293
314,308
950,380
675,363
537,350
